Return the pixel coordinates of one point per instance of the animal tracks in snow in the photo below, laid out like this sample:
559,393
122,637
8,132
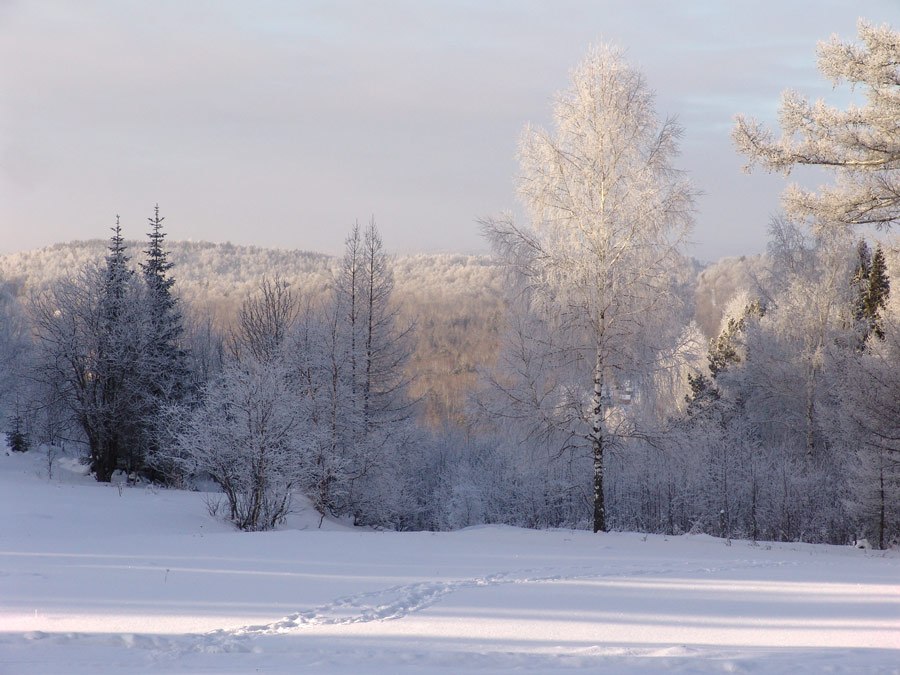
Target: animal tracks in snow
390,603
396,602
385,604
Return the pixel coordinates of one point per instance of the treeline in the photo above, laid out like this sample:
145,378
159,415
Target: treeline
777,428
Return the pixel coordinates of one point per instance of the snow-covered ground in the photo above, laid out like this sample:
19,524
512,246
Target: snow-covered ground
98,579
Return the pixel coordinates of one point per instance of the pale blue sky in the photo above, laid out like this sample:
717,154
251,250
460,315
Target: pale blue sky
279,123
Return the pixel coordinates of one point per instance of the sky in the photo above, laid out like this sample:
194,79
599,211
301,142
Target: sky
280,123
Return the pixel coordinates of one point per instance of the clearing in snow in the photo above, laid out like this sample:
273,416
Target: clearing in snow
108,579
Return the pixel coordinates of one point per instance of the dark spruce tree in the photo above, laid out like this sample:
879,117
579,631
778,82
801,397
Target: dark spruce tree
166,360
870,279
117,276
110,423
703,394
877,291
723,350
165,315
92,331
860,285
15,437
157,266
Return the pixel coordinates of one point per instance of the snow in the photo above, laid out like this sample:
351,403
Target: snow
118,579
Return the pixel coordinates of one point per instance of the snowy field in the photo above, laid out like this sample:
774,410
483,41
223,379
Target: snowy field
98,579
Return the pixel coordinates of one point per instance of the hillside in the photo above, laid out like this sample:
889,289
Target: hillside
223,271
454,301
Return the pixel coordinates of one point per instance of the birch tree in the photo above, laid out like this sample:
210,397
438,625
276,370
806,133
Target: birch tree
860,145
608,210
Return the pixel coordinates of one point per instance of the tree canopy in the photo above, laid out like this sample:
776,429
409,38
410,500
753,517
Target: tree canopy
861,144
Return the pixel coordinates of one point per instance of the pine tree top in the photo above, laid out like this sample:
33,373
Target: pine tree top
157,264
116,245
116,260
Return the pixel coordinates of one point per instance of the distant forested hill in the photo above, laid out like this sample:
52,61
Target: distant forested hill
455,301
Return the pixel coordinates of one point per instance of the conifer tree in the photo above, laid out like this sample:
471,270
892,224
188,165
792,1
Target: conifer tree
860,286
373,422
117,275
117,418
163,307
723,350
93,332
863,261
15,437
349,289
386,344
877,291
872,287
166,375
157,264
703,394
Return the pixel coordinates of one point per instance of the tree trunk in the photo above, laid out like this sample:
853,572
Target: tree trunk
810,411
881,498
597,445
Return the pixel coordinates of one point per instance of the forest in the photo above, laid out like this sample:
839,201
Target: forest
588,374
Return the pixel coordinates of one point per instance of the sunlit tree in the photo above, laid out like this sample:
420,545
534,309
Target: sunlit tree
860,145
608,210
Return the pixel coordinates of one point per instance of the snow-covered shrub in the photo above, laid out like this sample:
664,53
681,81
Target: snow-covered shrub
246,436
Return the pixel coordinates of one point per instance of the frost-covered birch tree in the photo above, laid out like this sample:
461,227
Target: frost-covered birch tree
861,145
608,210
247,435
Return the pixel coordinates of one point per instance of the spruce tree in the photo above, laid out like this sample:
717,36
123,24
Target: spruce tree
117,276
94,343
863,261
703,394
723,350
109,418
167,368
164,311
877,291
15,437
158,264
872,286
860,281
